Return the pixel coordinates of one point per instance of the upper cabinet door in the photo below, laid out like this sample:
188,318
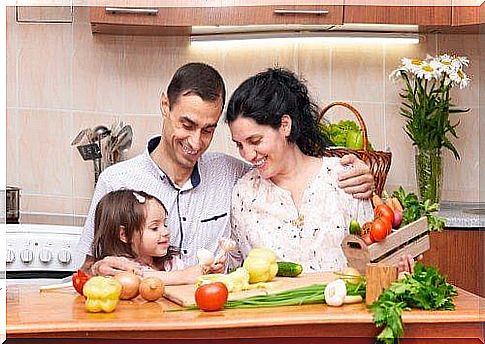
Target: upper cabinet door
173,19
411,12
466,12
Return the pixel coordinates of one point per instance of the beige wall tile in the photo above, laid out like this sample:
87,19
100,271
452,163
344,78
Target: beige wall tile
464,45
402,170
357,73
392,60
222,141
44,65
314,67
97,73
11,57
236,65
81,206
461,177
144,127
149,63
83,171
44,203
12,139
45,165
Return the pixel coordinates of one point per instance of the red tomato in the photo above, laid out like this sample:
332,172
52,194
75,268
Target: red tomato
79,278
379,230
212,296
384,211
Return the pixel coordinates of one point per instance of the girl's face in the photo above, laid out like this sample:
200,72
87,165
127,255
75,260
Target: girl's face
261,145
155,238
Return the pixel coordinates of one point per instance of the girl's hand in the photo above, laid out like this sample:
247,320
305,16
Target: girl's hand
219,266
110,266
191,274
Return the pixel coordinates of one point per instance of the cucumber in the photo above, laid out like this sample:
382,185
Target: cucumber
289,269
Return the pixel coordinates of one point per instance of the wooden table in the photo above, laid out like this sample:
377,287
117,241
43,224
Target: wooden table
61,314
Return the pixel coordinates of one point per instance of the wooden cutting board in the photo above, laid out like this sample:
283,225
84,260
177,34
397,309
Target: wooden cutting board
183,295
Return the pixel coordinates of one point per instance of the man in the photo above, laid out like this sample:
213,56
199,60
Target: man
195,187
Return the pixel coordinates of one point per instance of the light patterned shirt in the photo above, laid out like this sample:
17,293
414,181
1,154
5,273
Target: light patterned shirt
264,215
198,212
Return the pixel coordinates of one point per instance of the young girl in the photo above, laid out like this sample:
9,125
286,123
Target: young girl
132,224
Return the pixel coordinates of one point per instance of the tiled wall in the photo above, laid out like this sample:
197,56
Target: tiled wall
61,78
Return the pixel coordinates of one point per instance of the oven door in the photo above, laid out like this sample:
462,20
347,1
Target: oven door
37,278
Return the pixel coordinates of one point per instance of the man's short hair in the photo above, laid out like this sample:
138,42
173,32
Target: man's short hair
199,79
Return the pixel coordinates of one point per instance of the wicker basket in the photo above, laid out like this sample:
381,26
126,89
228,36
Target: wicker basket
380,162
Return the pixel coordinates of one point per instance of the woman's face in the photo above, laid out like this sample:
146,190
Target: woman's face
261,145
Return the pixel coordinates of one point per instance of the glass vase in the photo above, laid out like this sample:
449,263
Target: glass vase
429,174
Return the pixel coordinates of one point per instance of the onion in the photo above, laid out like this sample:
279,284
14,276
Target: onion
130,283
151,288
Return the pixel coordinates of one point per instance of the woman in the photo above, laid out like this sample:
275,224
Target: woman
290,202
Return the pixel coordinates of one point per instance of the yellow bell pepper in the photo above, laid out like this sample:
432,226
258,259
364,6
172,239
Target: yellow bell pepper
261,265
102,294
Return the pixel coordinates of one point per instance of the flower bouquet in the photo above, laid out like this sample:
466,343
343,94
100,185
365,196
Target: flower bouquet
426,106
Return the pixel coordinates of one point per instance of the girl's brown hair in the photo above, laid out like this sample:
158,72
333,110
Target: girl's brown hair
122,208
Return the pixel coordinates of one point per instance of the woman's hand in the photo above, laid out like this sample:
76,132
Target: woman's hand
358,181
110,266
406,263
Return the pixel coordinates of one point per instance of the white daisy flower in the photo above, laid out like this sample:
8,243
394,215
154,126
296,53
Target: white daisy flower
428,71
460,78
396,74
460,62
446,63
412,65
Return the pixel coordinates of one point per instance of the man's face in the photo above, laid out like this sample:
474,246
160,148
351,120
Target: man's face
188,127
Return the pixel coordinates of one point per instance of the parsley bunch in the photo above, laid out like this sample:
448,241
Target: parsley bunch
415,209
425,289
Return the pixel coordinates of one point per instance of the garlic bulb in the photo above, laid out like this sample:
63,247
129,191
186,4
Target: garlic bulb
205,257
335,293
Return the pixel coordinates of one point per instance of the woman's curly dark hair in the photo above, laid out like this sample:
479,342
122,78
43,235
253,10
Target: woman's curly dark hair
269,95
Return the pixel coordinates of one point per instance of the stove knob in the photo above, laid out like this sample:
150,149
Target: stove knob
64,256
26,255
45,255
10,256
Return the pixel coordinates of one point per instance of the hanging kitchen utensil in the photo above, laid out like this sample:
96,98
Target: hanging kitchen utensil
123,143
90,151
125,139
79,137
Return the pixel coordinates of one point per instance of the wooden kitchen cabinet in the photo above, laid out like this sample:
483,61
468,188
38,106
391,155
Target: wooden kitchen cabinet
178,20
411,15
468,15
460,254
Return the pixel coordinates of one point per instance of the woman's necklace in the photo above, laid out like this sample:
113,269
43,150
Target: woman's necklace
299,222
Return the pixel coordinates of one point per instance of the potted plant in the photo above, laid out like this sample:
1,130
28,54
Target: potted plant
427,107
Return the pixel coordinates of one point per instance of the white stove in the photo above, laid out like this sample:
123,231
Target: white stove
41,251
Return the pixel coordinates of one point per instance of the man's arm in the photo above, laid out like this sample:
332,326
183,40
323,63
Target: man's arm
358,181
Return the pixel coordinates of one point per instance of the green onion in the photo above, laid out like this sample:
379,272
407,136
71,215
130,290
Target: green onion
300,296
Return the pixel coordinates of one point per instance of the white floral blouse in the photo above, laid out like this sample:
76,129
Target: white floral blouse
264,215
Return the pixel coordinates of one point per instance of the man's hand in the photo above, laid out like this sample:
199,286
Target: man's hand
358,181
110,266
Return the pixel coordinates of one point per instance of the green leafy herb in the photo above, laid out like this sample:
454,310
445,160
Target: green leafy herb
425,289
345,133
415,209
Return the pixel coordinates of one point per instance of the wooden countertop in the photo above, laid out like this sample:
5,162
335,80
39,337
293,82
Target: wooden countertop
62,314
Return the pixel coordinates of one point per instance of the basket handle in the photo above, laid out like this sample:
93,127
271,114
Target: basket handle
362,125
